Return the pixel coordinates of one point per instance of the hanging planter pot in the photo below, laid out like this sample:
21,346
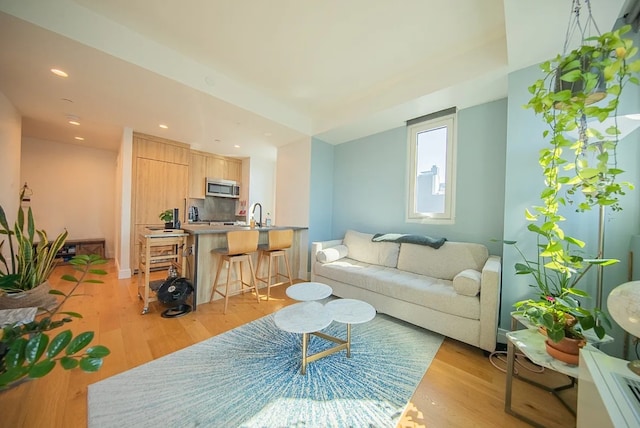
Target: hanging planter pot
582,77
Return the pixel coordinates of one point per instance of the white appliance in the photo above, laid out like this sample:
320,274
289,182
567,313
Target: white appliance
608,392
222,188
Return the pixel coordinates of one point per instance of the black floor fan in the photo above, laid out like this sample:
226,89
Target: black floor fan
173,293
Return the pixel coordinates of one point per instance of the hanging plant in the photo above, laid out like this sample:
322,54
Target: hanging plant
582,171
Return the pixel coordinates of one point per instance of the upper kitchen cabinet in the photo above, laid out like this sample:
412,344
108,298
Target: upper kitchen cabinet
216,166
197,174
233,170
160,149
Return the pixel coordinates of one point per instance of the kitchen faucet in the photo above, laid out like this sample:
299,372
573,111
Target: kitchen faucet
253,211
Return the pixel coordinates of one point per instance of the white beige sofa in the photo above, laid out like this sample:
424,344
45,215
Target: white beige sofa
453,290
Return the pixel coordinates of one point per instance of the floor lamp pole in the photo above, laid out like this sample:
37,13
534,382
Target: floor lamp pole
600,272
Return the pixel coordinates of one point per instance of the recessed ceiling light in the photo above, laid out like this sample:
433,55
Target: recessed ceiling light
236,146
59,72
74,122
163,126
79,138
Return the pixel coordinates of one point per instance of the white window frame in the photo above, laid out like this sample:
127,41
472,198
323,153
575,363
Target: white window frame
448,217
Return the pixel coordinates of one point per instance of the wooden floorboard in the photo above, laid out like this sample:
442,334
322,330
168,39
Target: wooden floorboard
460,389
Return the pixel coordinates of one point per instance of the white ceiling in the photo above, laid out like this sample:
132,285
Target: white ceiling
261,74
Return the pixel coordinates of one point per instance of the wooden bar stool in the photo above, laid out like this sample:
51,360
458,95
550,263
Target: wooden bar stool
240,243
279,242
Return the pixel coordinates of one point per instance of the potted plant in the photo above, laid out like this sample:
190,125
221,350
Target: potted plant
27,351
167,217
583,172
23,277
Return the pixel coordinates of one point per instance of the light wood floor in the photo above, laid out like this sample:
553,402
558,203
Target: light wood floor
460,389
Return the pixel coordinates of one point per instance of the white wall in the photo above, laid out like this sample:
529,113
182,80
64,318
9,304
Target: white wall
122,212
293,185
293,181
261,185
10,130
73,188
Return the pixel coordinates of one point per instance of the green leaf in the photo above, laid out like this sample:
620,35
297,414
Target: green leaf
57,292
78,343
41,369
89,364
13,374
571,76
68,363
58,343
98,351
70,278
71,314
35,347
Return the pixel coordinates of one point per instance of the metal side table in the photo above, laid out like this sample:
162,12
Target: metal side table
531,343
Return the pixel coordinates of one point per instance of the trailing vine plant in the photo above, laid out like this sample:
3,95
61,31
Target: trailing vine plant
583,172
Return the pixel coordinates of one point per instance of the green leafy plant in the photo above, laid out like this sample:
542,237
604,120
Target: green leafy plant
166,216
583,172
29,264
27,351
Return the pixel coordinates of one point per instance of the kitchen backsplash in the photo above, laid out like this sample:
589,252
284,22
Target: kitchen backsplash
215,209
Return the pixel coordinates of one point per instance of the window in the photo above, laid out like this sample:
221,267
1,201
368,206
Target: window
432,160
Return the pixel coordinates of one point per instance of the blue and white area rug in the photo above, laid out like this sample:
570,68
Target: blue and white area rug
250,377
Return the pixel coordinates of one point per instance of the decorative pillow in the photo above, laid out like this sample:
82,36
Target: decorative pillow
361,248
332,254
467,282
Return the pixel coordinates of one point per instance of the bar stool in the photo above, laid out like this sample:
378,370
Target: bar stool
240,243
279,241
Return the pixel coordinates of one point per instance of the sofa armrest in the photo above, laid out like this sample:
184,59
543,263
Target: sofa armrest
490,302
319,246
323,245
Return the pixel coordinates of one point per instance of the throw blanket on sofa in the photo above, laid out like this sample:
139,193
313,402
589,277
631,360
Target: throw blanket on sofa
409,239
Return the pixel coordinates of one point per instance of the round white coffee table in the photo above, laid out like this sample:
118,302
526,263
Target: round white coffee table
310,317
350,311
304,317
307,291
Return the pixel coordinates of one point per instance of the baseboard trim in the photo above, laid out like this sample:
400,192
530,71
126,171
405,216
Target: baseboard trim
502,335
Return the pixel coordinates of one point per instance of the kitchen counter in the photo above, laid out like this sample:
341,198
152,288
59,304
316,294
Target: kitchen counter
202,228
204,238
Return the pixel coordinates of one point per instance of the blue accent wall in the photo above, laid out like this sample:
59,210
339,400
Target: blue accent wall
321,191
370,181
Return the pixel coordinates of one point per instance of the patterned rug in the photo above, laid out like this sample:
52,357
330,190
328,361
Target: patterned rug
250,377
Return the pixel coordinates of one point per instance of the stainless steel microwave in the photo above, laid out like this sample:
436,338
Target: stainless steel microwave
222,188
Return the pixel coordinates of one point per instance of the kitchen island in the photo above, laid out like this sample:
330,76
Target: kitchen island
202,263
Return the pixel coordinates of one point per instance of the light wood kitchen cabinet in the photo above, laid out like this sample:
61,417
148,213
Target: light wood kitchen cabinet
233,170
197,174
160,181
216,167
150,147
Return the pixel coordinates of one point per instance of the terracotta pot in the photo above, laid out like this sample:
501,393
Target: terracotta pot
567,350
567,345
561,356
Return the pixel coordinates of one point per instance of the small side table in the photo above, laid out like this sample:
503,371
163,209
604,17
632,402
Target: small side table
531,343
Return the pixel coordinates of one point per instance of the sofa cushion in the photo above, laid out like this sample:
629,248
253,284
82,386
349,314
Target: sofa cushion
467,282
421,290
332,254
361,248
445,262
